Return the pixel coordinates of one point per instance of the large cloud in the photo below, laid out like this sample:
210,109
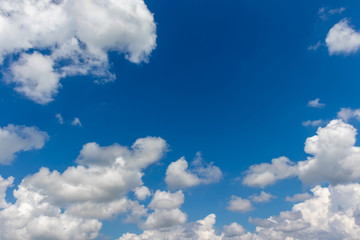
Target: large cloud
14,139
70,205
342,39
331,213
335,159
62,38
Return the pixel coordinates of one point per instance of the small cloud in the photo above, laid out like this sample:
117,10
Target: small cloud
300,197
314,123
238,204
315,46
347,113
59,118
325,13
262,197
316,103
76,122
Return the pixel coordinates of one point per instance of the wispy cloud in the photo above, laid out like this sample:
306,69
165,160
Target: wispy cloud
316,103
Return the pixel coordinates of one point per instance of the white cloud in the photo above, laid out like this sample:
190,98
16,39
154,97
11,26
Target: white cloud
70,205
316,103
4,185
343,39
262,197
315,123
14,139
142,192
331,213
59,118
71,37
325,13
201,230
76,122
315,46
265,174
238,204
166,210
298,197
178,174
34,76
347,113
334,160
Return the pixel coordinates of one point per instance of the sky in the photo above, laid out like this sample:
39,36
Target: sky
136,120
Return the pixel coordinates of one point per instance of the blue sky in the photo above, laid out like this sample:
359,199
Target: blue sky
233,107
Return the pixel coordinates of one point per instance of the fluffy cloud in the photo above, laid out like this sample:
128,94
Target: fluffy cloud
262,197
331,213
70,205
334,160
142,192
316,103
265,174
14,139
347,113
201,230
178,174
238,204
342,39
56,39
4,185
166,210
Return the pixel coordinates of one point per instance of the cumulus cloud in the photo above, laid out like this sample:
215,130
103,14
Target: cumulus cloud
264,174
316,103
342,39
4,185
347,113
63,38
330,213
142,193
71,204
335,159
262,197
166,210
178,174
238,204
14,139
202,230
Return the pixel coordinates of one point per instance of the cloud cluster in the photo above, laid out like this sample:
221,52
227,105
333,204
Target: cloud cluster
179,175
14,139
71,205
331,213
47,40
342,39
335,159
